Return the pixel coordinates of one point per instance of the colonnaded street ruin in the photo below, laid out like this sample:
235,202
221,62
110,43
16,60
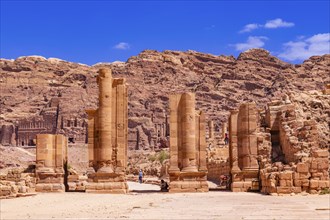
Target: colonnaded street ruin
211,127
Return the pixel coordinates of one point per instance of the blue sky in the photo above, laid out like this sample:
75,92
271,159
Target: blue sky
105,31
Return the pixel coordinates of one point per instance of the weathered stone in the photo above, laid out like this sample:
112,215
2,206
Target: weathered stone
107,138
187,145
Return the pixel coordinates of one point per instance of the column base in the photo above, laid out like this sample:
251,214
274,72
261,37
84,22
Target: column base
188,182
47,180
245,181
107,183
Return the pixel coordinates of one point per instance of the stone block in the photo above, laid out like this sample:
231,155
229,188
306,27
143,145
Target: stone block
324,183
283,190
323,165
314,184
91,186
317,175
283,183
237,184
285,175
22,189
39,187
247,185
297,182
296,189
289,183
305,183
236,189
72,186
313,165
302,168
57,187
99,186
72,178
320,153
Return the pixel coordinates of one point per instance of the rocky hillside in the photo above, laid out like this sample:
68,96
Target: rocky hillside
221,83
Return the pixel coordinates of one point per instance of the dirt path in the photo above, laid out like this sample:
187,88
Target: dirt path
157,205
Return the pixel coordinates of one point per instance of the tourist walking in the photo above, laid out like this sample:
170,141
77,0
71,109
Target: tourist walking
140,176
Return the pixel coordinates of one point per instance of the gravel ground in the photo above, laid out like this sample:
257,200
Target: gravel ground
145,202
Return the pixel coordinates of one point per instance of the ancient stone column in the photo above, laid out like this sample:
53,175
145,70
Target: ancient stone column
188,133
187,145
51,154
104,121
201,141
211,130
120,121
174,133
61,146
45,151
233,153
91,133
109,138
247,138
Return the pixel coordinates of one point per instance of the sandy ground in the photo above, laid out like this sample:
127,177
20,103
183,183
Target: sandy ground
151,204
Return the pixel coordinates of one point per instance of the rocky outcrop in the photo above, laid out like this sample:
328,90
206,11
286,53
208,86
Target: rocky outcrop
220,83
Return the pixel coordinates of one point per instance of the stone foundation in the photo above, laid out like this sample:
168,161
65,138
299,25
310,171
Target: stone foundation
188,182
106,183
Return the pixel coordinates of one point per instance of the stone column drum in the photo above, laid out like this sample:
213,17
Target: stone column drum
211,129
107,137
91,136
104,122
243,148
233,154
188,133
51,154
247,138
187,145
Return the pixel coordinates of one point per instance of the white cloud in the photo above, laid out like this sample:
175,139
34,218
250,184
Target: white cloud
272,24
318,44
278,23
252,42
249,28
210,27
122,46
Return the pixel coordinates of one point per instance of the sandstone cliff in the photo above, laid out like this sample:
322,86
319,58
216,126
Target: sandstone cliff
220,83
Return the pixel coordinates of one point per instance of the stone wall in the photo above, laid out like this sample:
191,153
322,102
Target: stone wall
303,166
217,168
16,183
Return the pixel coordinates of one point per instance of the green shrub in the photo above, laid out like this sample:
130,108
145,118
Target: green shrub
163,155
325,191
152,158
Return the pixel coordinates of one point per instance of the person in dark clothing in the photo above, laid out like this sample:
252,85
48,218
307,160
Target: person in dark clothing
226,138
163,186
140,176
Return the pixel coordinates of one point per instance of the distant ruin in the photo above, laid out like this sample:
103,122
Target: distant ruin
49,121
